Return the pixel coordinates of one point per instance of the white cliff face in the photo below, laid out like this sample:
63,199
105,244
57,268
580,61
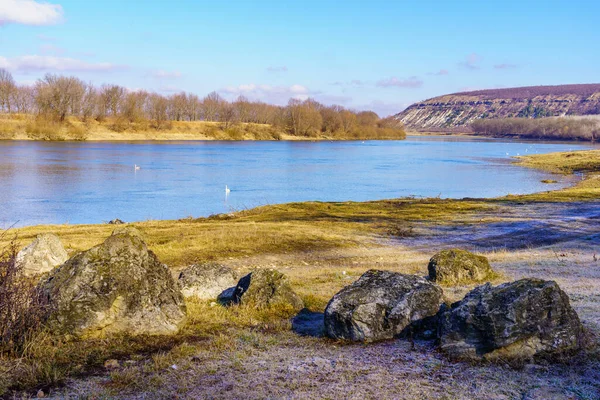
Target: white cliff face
458,111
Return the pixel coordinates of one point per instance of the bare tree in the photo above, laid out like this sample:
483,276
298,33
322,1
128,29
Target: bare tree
243,109
227,114
348,120
211,105
110,98
332,121
179,104
89,102
56,96
304,117
22,99
194,108
134,105
7,87
158,108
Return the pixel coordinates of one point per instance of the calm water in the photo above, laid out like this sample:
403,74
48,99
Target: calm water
95,182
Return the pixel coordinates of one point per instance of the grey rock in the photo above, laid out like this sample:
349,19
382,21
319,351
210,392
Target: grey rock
42,255
206,281
456,266
266,287
226,296
117,286
309,323
380,305
519,320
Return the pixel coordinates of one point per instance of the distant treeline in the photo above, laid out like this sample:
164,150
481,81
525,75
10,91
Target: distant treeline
567,128
58,97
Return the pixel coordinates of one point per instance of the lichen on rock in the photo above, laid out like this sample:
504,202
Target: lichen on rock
117,286
457,266
42,255
380,305
266,287
206,281
525,319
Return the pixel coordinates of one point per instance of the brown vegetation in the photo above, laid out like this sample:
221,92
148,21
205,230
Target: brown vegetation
543,128
68,108
22,306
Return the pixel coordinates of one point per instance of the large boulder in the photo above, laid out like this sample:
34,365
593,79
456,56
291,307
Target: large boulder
117,286
42,255
263,288
380,305
456,266
206,281
517,320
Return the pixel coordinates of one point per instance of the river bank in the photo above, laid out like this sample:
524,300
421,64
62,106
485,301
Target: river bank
30,127
323,247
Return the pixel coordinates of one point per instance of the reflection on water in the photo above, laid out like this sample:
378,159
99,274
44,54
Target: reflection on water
77,182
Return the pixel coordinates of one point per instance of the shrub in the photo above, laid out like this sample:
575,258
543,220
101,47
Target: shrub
569,128
23,307
44,128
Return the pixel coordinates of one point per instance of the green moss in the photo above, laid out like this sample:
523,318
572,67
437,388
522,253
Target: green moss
457,266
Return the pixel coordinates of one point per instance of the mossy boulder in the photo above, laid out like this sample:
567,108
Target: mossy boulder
456,266
42,255
118,286
265,288
206,281
381,305
520,320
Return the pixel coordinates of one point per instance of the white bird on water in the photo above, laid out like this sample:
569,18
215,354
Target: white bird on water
227,190
136,167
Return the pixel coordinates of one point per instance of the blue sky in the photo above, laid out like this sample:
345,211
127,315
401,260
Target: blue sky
381,55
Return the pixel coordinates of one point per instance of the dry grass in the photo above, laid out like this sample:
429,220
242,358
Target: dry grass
586,162
564,162
28,127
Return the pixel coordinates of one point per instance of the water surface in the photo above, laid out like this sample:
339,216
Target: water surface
91,182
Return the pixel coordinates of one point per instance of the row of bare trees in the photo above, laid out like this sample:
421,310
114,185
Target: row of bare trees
59,97
564,128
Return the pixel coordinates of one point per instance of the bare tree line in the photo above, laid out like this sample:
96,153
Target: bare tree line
566,128
58,97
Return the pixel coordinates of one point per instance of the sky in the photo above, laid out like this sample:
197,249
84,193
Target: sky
378,55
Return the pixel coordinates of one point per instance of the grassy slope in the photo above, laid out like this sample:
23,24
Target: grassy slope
289,230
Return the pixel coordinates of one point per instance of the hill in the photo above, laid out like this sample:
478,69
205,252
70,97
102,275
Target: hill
456,112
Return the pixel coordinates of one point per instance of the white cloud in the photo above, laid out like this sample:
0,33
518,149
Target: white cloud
505,66
53,63
471,61
282,68
169,89
441,72
412,82
162,74
384,109
49,48
30,12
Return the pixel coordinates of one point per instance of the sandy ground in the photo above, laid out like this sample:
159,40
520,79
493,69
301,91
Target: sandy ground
561,244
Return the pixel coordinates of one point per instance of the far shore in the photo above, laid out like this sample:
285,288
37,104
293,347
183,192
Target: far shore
31,127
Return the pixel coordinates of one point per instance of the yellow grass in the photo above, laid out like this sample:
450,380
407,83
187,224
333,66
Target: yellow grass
29,127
